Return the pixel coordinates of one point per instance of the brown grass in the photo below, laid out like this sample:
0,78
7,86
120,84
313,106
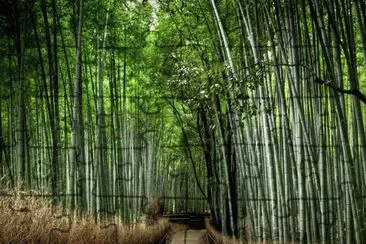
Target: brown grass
30,220
155,210
217,236
222,239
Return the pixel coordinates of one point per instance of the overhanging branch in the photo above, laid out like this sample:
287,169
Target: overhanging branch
355,92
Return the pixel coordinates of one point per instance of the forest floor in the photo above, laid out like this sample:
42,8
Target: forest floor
26,219
191,233
189,237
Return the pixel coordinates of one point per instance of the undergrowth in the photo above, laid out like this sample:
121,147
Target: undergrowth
26,219
217,236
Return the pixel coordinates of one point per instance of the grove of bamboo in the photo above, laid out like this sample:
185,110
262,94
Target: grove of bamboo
252,110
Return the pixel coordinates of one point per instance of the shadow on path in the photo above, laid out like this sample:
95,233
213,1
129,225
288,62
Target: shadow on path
189,237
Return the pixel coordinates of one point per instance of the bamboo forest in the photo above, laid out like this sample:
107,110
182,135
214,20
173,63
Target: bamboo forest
252,112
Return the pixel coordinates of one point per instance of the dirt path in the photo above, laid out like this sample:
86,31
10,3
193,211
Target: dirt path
189,237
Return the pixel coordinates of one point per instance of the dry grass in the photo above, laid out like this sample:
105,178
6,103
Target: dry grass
220,238
217,236
155,210
30,220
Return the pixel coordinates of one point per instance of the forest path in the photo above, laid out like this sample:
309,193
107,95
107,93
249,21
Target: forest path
187,228
189,237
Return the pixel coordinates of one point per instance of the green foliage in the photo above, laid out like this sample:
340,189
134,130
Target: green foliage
217,93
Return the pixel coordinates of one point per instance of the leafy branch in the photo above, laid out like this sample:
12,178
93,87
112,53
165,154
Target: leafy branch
356,92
